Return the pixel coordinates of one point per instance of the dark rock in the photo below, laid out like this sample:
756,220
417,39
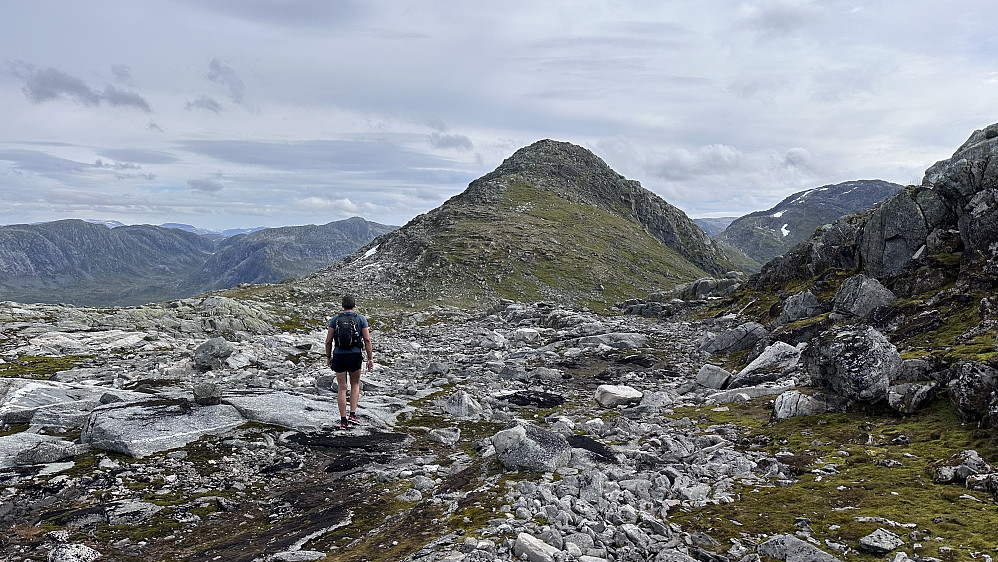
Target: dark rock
798,307
971,390
211,355
860,295
533,398
907,398
207,394
528,447
857,362
736,339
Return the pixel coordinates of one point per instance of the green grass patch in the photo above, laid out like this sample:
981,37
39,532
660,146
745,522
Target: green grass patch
852,444
40,366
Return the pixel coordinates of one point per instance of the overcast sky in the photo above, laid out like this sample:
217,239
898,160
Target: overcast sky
242,113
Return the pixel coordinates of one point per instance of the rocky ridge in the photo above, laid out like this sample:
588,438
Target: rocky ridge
553,222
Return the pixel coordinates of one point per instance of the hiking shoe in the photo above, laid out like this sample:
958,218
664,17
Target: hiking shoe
344,425
352,418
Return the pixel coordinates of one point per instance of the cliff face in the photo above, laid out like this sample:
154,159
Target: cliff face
913,239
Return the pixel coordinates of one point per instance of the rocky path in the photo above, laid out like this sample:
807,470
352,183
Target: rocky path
198,431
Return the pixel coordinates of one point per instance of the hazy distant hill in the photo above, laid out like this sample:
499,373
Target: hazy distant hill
79,262
275,254
552,222
764,235
714,226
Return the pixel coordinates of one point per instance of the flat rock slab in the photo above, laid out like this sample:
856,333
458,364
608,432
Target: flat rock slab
31,448
294,411
22,399
792,549
139,429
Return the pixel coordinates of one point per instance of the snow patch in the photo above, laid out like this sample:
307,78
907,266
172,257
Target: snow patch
777,214
371,252
784,230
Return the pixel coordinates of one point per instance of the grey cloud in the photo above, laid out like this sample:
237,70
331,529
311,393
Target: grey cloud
436,123
328,155
205,102
121,98
116,165
41,163
459,142
138,155
289,13
778,18
715,159
152,126
49,84
207,185
122,73
227,77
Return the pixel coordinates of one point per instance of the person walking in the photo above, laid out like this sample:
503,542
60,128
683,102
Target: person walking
350,334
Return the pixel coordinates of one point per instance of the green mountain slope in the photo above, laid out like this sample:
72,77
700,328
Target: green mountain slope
553,222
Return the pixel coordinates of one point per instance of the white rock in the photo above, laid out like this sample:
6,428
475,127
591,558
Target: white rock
534,549
611,395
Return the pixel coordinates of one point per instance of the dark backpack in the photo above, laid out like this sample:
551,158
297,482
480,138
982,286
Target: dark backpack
346,334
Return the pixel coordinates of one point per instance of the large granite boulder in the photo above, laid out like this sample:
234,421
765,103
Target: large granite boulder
211,355
775,362
794,403
856,362
859,296
139,429
736,339
972,390
798,307
613,395
528,447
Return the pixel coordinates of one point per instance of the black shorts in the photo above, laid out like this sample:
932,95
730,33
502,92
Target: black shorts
347,362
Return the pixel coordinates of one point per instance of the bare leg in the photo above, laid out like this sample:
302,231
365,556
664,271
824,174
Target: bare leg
354,390
341,393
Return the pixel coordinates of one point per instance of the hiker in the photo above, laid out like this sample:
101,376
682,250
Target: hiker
349,331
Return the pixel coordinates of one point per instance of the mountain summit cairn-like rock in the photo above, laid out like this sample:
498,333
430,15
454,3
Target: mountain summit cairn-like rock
553,222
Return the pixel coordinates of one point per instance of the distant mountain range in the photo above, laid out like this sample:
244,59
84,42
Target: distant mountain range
764,235
714,226
80,262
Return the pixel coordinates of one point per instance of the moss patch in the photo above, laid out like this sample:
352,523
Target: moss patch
876,464
40,366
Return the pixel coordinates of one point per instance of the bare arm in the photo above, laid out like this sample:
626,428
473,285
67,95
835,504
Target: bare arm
366,334
329,346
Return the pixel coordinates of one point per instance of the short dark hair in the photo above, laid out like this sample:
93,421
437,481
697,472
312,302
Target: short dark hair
348,302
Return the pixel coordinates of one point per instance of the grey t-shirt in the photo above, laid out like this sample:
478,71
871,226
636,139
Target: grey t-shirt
361,324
